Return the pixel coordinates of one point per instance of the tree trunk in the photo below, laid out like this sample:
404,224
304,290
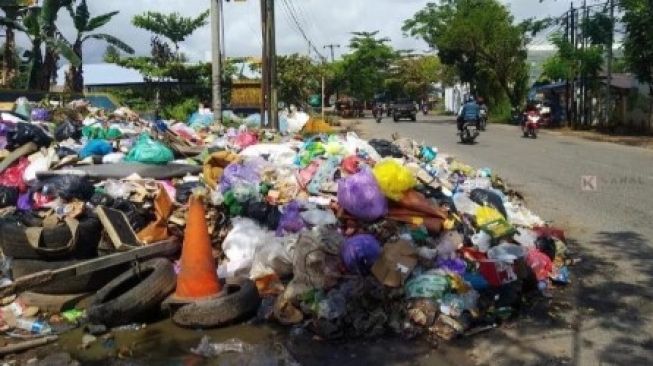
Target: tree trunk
75,74
36,66
9,55
49,69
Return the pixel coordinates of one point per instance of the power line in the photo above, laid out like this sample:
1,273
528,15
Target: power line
301,30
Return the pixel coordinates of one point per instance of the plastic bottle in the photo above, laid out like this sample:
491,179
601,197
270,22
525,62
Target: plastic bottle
33,325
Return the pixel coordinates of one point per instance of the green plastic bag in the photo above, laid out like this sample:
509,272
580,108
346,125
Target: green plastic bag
149,151
94,133
432,286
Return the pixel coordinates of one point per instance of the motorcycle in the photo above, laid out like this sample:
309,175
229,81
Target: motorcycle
377,112
482,122
469,132
425,109
531,124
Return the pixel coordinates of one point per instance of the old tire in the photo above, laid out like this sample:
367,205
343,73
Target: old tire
14,241
238,303
133,293
82,283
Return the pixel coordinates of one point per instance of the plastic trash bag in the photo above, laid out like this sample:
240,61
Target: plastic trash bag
278,154
200,120
40,114
240,246
95,147
486,197
296,122
274,258
41,163
360,195
185,190
539,263
113,158
356,146
393,178
23,107
319,217
245,139
430,286
67,187
149,151
464,204
97,132
23,133
491,221
8,196
239,173
359,253
506,252
386,148
13,176
67,130
291,220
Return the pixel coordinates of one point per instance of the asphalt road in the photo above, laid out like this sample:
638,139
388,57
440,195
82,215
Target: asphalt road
602,194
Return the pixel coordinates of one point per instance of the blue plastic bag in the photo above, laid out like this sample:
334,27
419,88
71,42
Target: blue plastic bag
95,147
359,253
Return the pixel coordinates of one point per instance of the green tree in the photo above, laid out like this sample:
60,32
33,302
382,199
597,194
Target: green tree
11,22
638,42
111,54
481,40
297,78
413,76
363,71
174,27
84,24
55,44
41,73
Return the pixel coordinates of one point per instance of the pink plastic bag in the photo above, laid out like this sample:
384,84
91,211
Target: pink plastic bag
540,264
13,176
245,139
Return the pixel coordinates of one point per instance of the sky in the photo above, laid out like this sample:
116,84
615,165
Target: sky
324,22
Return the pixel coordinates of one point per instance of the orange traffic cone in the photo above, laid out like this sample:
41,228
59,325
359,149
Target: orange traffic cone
197,278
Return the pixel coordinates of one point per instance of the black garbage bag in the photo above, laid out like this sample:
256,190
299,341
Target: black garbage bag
386,148
138,217
101,199
485,197
438,195
8,196
184,191
23,133
263,213
546,245
67,130
67,187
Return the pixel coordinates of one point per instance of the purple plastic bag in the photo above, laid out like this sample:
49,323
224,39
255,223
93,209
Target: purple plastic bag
360,195
291,220
455,265
236,173
24,202
359,253
40,114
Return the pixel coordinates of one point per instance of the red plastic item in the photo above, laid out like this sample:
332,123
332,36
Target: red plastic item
13,176
540,264
245,139
351,164
497,273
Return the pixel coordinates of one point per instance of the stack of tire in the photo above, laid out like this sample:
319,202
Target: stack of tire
123,293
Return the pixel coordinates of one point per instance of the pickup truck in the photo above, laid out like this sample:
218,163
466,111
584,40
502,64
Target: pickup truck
404,108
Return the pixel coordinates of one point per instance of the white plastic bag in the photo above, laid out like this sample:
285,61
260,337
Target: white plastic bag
279,154
354,143
464,204
274,257
40,162
240,246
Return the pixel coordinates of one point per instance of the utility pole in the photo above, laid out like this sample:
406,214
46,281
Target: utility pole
216,60
270,63
264,63
567,86
583,91
608,99
332,46
572,119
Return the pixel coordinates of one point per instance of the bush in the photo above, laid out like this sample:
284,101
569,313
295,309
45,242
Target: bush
182,110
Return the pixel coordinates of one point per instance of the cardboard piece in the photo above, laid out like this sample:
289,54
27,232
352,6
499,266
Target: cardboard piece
118,228
158,229
395,264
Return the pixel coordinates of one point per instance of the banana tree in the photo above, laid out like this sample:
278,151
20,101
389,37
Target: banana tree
84,24
39,77
11,22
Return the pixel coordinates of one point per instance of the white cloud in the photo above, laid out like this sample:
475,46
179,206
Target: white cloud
325,21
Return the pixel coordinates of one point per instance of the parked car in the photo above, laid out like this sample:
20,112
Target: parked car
350,107
404,108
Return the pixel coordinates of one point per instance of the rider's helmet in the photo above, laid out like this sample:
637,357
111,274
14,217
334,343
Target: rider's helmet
470,98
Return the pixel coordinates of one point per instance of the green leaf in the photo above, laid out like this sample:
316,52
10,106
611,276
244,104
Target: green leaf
65,49
100,21
111,40
80,16
12,23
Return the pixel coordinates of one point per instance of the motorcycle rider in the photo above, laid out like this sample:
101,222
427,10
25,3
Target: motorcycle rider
470,111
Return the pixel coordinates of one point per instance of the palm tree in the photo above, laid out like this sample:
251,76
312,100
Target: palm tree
84,24
11,22
39,73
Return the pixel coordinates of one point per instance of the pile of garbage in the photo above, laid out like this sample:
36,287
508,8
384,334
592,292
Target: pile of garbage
325,232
